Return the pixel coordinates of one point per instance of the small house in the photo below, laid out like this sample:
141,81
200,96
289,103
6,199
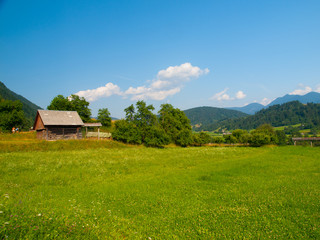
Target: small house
56,125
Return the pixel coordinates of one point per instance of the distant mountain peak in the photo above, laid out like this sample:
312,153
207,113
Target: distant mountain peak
311,97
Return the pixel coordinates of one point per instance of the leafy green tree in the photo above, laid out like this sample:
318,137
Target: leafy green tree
263,135
127,132
80,105
242,136
156,137
72,103
259,139
11,115
281,137
60,103
104,117
205,138
217,139
229,138
130,112
184,138
174,121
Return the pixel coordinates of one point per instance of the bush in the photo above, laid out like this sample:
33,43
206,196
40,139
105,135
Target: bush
127,132
156,137
184,138
217,140
259,139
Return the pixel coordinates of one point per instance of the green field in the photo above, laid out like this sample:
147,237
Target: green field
126,192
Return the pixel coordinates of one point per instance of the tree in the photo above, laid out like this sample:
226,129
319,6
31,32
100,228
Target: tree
11,115
229,138
184,138
263,135
71,103
174,121
104,117
80,105
60,103
126,132
281,137
156,137
242,136
144,118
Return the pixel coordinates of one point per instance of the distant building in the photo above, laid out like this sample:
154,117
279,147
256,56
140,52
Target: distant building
56,125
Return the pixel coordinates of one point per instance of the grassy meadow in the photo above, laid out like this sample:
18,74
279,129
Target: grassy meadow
105,190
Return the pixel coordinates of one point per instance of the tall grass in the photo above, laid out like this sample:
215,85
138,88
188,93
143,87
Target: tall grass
172,193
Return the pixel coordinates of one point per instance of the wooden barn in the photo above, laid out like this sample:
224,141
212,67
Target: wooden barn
56,125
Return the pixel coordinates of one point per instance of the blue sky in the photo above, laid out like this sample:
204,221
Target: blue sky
187,53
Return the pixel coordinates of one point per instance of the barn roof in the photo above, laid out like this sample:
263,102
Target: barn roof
93,124
60,118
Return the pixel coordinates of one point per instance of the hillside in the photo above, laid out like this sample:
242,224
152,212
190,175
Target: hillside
312,97
251,108
203,116
29,108
277,115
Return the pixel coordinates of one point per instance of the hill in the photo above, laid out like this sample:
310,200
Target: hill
277,115
29,108
251,108
312,97
203,116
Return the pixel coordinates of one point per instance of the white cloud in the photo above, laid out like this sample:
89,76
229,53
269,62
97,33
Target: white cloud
155,95
302,91
240,95
168,82
105,91
183,72
221,96
265,101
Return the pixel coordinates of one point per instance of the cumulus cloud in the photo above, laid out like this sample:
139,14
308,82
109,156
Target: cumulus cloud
302,90
220,96
105,91
240,95
149,93
223,96
167,83
183,72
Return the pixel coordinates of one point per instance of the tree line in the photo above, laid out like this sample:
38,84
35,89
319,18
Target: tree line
142,126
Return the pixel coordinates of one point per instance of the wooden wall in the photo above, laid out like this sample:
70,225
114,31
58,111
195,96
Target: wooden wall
59,133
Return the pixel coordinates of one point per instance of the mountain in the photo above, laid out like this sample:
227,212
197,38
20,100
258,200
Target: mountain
311,97
290,113
202,116
29,108
251,108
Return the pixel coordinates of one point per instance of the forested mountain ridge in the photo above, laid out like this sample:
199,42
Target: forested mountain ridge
203,116
311,97
252,108
277,115
29,108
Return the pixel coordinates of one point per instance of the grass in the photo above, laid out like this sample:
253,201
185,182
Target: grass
173,193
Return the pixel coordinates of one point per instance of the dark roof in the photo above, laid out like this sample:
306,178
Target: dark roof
60,118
